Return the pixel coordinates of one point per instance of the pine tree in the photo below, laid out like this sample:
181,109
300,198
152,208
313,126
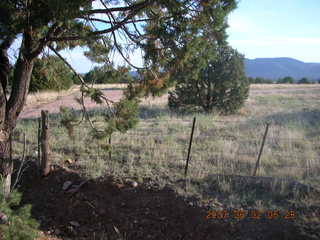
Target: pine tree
16,222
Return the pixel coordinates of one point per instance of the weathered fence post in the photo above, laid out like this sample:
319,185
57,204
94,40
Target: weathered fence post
39,144
261,149
110,148
45,160
189,150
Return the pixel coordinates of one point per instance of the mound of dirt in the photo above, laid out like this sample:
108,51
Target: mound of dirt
106,209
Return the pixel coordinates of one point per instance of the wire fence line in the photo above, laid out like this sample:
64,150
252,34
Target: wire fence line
219,150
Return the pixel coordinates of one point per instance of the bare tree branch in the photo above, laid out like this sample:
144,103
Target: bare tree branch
115,22
121,9
84,112
115,27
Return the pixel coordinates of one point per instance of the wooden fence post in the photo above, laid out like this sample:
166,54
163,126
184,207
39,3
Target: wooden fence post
261,149
110,153
39,144
189,150
45,160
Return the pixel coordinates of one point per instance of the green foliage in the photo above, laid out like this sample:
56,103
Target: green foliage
68,118
108,74
20,225
50,73
260,80
304,81
99,50
285,80
213,79
123,117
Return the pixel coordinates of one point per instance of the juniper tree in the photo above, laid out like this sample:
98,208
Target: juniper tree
212,79
16,222
50,73
160,28
108,74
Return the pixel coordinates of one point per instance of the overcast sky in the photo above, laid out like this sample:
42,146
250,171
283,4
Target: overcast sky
258,28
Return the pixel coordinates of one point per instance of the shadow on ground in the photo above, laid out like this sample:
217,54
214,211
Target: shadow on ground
106,209
308,118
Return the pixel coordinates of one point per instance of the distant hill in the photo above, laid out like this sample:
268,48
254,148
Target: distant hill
274,68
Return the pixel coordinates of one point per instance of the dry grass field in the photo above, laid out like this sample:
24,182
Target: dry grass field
224,150
222,144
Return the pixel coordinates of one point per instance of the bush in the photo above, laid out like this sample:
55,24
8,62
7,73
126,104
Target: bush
17,223
218,84
50,73
108,74
285,80
304,81
260,80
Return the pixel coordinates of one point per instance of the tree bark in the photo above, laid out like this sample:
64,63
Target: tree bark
6,164
10,110
45,159
20,87
5,159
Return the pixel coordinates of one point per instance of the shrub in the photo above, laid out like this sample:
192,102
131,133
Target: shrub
17,223
285,80
304,81
260,80
50,73
108,74
218,84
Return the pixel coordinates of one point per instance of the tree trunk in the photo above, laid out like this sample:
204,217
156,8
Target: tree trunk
6,163
45,160
20,87
9,112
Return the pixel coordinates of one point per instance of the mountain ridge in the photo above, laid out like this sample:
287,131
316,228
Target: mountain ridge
274,68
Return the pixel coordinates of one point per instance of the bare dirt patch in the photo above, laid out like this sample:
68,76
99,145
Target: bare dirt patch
34,111
106,208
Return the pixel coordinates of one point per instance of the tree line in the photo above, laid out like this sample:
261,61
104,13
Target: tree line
284,80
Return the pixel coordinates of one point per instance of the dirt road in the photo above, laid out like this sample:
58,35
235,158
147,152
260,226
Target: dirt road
34,111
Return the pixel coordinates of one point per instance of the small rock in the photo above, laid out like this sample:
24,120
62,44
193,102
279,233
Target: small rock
76,188
69,161
75,224
119,185
57,232
66,185
132,183
3,218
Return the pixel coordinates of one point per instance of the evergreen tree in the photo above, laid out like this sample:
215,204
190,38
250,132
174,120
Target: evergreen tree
303,81
213,79
50,73
16,222
159,28
260,80
108,74
285,80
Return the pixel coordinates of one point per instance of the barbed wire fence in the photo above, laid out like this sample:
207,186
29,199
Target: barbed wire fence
167,146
